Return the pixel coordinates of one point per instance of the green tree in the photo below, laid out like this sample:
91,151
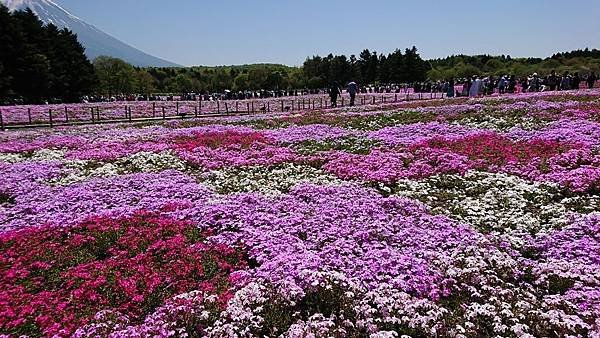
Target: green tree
144,82
115,76
241,82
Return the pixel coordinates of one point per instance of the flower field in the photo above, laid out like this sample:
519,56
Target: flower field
439,218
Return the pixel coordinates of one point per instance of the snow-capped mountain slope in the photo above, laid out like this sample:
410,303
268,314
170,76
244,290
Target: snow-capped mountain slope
95,41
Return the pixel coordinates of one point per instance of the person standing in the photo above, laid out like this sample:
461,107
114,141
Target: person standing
502,83
352,90
553,81
524,84
334,92
565,82
450,89
576,81
591,80
512,84
534,83
475,88
466,89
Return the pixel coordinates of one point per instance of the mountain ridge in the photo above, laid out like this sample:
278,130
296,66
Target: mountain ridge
95,41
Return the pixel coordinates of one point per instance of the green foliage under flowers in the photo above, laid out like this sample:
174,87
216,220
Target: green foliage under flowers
6,198
353,145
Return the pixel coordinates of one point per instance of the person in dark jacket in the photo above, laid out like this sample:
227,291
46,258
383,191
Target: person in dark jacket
334,92
575,81
352,90
565,82
553,81
512,84
591,80
450,89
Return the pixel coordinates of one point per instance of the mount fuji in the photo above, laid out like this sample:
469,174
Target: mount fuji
95,41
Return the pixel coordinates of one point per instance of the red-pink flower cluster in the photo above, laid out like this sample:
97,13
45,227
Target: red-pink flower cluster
55,279
491,149
220,139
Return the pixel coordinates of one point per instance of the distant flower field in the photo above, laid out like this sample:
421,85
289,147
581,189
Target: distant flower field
440,218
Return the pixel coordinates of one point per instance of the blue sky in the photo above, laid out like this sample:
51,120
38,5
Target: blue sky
194,32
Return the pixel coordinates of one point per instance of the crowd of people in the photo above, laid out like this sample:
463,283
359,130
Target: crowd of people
479,86
476,86
225,95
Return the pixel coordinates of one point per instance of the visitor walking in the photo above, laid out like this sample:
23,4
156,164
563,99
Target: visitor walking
565,82
502,84
476,87
450,89
553,81
591,80
534,83
576,81
334,92
512,84
352,90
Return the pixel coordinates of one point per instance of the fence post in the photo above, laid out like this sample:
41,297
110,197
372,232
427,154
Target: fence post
92,111
226,108
163,113
195,111
50,114
252,107
29,114
1,121
66,115
395,97
218,107
268,107
130,114
177,109
248,107
98,113
342,101
282,108
153,109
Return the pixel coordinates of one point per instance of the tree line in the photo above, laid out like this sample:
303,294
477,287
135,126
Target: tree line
116,77
464,66
368,68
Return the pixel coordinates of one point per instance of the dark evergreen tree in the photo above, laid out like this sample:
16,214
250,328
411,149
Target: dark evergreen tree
39,63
